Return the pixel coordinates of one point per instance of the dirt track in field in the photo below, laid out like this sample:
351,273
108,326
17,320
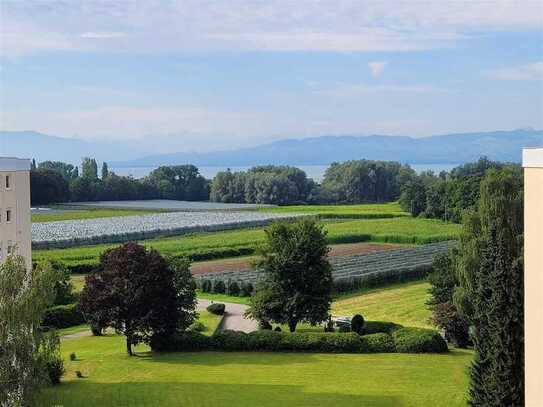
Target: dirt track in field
243,263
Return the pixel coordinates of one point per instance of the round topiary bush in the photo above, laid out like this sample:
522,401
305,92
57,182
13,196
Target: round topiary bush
219,287
357,324
216,308
233,288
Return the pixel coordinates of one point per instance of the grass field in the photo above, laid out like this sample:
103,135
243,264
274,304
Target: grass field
391,209
395,230
111,378
86,213
403,303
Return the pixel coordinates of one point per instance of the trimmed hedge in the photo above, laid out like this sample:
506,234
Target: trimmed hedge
63,316
418,340
271,341
374,327
216,308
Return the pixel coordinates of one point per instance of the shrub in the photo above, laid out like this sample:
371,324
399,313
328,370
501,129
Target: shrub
357,324
344,328
181,342
246,289
233,288
374,327
377,343
55,367
264,325
73,356
206,285
197,327
96,329
63,316
216,308
218,286
418,340
329,326
278,329
79,374
231,341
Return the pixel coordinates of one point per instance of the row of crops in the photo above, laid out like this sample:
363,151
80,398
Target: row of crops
71,233
353,272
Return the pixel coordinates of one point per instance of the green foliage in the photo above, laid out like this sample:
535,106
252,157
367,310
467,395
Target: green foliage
181,182
89,168
63,316
491,277
233,288
374,327
216,308
73,356
134,292
418,340
264,185
246,289
445,314
297,282
377,343
185,288
364,181
48,186
219,287
24,296
357,324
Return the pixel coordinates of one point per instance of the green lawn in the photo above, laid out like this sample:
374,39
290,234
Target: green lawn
403,303
395,230
211,321
85,213
254,379
223,298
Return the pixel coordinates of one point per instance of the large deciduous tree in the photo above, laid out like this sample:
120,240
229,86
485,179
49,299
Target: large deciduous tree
297,281
135,291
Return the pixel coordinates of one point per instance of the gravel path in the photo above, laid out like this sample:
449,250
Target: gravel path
233,317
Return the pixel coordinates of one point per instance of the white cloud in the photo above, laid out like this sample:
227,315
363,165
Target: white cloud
102,35
343,25
377,67
351,90
528,72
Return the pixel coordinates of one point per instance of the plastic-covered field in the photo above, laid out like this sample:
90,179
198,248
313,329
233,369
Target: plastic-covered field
70,233
351,271
165,204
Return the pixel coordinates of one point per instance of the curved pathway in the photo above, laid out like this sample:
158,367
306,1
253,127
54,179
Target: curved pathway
233,317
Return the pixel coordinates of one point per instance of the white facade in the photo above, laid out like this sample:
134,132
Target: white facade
15,217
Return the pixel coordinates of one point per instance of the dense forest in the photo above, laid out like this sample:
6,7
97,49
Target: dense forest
442,196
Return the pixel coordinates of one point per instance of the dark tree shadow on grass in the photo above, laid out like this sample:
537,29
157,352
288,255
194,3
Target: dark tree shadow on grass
87,393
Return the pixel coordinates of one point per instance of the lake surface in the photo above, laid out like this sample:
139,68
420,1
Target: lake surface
313,171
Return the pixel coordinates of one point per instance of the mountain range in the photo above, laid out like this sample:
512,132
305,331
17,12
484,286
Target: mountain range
323,150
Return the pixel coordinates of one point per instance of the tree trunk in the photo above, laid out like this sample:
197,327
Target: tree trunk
292,325
129,346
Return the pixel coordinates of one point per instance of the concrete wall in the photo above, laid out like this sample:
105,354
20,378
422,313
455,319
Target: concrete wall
533,274
17,232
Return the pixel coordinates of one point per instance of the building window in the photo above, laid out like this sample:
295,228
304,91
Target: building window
8,216
10,247
8,182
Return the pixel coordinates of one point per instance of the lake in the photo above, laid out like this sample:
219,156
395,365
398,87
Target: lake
313,171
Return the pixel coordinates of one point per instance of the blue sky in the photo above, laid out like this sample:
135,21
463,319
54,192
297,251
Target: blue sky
208,75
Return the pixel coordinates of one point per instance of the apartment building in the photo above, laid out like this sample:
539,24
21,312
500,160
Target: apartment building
532,161
15,221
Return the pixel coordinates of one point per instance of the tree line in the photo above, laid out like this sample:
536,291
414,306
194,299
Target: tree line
54,181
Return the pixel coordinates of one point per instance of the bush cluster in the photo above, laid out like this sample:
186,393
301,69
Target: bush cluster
216,308
418,340
412,340
63,316
233,288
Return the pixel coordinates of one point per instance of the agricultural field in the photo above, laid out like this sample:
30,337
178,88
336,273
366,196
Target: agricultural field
385,210
111,378
245,241
118,229
71,213
354,271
